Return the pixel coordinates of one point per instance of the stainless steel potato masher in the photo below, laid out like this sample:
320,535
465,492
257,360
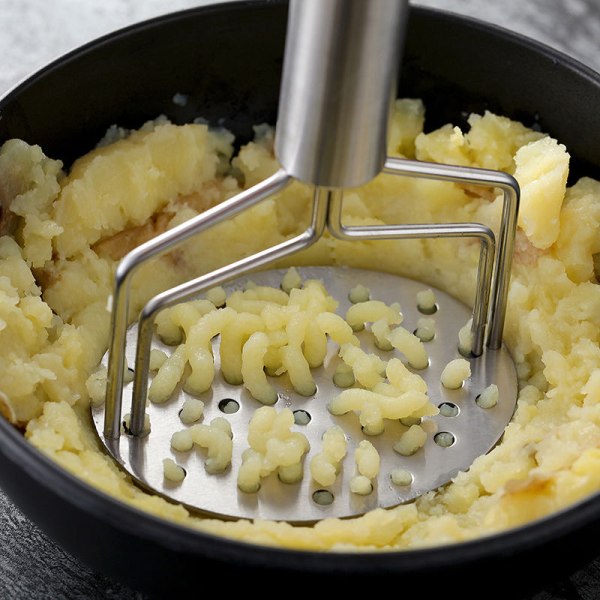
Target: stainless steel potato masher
338,82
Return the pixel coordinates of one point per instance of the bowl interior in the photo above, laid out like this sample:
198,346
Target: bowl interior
227,59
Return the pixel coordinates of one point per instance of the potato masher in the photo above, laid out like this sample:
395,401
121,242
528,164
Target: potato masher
337,86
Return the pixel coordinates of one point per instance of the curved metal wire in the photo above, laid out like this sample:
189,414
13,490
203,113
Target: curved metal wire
156,247
430,230
508,224
203,283
493,270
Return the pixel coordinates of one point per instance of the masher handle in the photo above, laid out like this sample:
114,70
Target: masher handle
339,76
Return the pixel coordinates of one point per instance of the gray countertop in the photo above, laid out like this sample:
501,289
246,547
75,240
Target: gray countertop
35,31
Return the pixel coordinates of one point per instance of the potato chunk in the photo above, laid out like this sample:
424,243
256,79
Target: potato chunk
542,169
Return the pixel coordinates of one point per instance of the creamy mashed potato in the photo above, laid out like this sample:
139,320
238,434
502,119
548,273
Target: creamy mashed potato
64,234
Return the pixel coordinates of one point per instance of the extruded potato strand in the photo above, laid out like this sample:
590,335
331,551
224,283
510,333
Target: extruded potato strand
168,376
218,443
173,324
293,358
233,336
367,368
465,338
426,302
425,330
372,310
157,359
359,293
217,295
324,466
411,346
455,373
249,473
182,441
411,440
273,447
343,376
489,397
199,349
367,459
402,379
96,386
367,464
272,358
373,408
291,280
172,471
252,371
381,331
315,343
313,295
337,329
191,411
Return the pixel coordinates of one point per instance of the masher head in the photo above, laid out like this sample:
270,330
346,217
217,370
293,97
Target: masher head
467,429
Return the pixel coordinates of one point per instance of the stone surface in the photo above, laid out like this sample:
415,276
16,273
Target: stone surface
36,31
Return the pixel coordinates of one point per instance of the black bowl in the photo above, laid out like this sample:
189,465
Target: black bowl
227,59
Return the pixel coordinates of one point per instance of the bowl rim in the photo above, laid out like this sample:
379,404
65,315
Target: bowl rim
171,534
498,31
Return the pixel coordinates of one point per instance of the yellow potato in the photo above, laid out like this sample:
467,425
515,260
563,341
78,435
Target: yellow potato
411,440
168,376
402,379
324,466
293,358
291,473
315,344
372,310
455,372
273,447
336,328
198,349
367,459
373,407
233,337
381,330
367,368
217,442
291,280
252,373
172,471
73,229
542,169
173,324
248,477
361,485
411,346
157,359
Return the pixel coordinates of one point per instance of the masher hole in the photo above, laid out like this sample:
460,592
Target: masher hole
444,439
229,406
448,409
302,417
322,497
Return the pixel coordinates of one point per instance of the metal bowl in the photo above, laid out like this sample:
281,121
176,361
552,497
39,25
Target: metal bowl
227,59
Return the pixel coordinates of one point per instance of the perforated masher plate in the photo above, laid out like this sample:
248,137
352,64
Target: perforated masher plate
475,430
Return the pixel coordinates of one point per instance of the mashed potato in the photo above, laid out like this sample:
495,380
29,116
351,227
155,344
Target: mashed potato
66,232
